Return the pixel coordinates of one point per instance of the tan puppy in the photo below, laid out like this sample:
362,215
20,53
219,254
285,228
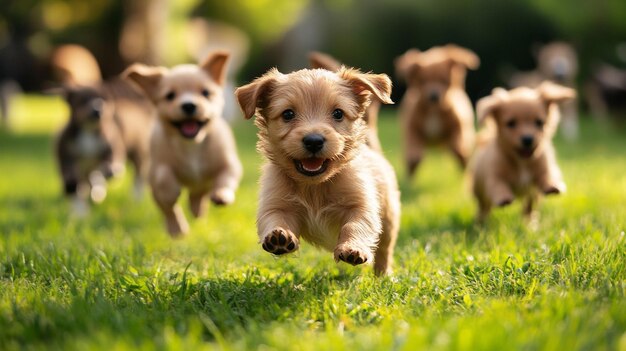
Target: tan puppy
435,108
320,60
519,160
322,183
556,62
191,145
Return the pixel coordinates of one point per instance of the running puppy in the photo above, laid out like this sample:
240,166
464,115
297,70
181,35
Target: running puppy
89,148
191,144
322,182
435,108
519,160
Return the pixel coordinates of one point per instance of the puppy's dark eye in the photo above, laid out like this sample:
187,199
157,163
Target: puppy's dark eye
337,114
539,123
170,96
288,115
511,124
205,93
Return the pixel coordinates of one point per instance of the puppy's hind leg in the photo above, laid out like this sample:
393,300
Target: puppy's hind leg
166,190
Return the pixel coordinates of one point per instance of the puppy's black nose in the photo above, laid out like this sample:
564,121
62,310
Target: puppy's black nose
527,141
313,142
96,109
433,96
189,108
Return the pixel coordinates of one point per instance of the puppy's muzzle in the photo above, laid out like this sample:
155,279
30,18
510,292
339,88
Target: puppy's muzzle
188,108
313,143
96,109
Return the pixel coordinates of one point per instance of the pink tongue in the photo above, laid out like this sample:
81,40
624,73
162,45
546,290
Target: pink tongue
189,128
312,164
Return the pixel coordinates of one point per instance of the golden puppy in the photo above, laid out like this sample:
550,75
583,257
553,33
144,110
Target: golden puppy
435,108
191,145
322,182
320,60
519,160
556,62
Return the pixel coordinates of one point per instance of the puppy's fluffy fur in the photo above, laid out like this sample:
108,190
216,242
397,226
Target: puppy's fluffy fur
191,145
322,182
435,108
519,160
321,60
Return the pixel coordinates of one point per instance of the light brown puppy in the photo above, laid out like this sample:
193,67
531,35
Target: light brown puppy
322,182
435,108
519,160
558,63
191,144
321,60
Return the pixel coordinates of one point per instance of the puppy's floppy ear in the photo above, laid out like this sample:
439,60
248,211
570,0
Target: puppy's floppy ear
463,56
146,77
251,96
215,65
364,84
488,105
407,63
554,93
321,60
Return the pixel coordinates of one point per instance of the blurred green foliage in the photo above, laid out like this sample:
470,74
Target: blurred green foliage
364,33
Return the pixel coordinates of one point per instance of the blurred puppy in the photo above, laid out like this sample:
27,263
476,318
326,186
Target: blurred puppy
109,122
558,63
605,92
435,108
322,182
89,147
519,160
320,60
191,144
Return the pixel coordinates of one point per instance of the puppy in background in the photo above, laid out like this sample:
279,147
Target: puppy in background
435,108
109,122
89,148
191,144
556,62
322,182
324,61
519,160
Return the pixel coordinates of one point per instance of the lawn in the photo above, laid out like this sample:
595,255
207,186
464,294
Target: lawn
116,281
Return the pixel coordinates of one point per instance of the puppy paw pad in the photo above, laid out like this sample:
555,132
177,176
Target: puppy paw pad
280,242
351,256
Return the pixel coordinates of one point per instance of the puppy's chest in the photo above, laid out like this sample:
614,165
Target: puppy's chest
321,224
89,145
433,125
193,164
523,181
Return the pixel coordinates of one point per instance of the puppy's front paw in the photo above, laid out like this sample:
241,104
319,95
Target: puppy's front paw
223,196
352,255
504,201
280,241
554,189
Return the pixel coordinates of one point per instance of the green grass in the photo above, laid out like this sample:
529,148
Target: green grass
116,281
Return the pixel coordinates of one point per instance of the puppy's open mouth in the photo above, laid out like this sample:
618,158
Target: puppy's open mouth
189,128
526,152
312,166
